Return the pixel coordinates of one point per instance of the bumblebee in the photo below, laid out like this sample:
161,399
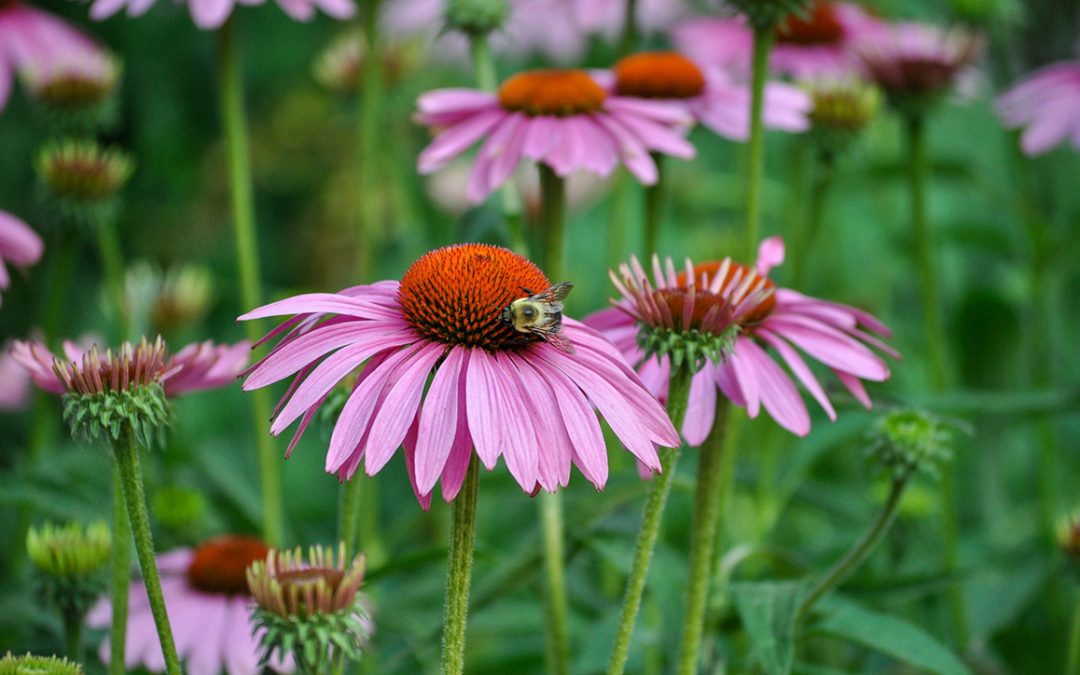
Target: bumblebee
541,315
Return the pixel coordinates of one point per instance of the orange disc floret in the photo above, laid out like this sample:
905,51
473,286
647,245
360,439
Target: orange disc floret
710,269
456,295
821,26
658,75
552,92
220,564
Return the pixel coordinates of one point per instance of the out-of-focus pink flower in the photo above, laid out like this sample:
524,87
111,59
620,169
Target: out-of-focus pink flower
506,393
835,335
820,45
1046,104
562,118
209,606
19,245
447,188
36,44
917,59
211,14
710,95
14,382
198,366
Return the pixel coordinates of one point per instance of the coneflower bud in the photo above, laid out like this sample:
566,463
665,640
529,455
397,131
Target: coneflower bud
77,97
111,394
906,441
476,17
29,664
81,179
842,109
171,301
768,14
180,511
71,560
309,606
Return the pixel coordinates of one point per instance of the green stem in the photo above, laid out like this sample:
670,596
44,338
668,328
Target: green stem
112,262
459,572
553,221
918,173
126,453
619,218
703,536
487,80
630,34
349,514
370,192
858,553
659,488
755,165
822,182
1073,667
654,197
231,93
73,634
557,650
121,575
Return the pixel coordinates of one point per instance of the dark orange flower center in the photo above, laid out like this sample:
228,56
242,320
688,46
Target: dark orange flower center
552,92
220,564
658,75
456,294
703,300
820,27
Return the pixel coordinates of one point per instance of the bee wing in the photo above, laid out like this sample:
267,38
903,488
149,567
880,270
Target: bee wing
558,340
555,294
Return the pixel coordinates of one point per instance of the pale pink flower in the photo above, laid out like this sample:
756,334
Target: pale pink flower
14,382
19,245
198,366
35,44
821,45
562,118
918,59
209,606
211,14
505,393
1046,104
711,95
749,376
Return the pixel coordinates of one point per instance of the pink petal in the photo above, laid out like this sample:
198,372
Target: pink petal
778,392
701,408
438,420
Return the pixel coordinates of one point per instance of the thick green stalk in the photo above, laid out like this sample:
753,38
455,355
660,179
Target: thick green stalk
120,557
703,536
112,262
73,634
126,454
1073,667
918,174
370,193
231,94
349,514
553,224
815,211
755,165
487,80
659,488
630,33
654,198
858,553
459,572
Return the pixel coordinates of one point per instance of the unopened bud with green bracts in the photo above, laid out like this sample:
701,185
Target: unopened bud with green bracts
904,442
476,17
768,14
29,664
81,179
71,561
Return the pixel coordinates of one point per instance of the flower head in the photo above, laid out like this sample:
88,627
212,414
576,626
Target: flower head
709,94
19,245
906,441
77,95
562,118
842,109
209,605
492,388
1044,103
71,561
211,14
310,606
30,664
768,317
915,64
82,178
171,300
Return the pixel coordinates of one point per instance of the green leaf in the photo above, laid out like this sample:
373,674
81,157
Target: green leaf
890,635
768,610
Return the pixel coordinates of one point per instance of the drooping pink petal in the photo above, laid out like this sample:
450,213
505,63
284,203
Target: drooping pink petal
439,419
399,408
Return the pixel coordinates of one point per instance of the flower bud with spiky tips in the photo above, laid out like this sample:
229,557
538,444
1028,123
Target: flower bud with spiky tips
71,560
29,664
310,607
766,14
842,109
476,17
81,180
77,97
115,392
904,442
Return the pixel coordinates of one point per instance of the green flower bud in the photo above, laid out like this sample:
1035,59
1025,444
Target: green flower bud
29,664
71,560
476,17
81,179
767,14
179,510
842,109
79,97
906,441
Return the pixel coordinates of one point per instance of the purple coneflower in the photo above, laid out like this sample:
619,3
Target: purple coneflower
710,95
14,382
1046,104
209,603
562,118
212,14
19,244
821,44
834,334
505,393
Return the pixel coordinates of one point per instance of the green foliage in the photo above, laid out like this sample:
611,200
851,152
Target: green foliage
768,612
